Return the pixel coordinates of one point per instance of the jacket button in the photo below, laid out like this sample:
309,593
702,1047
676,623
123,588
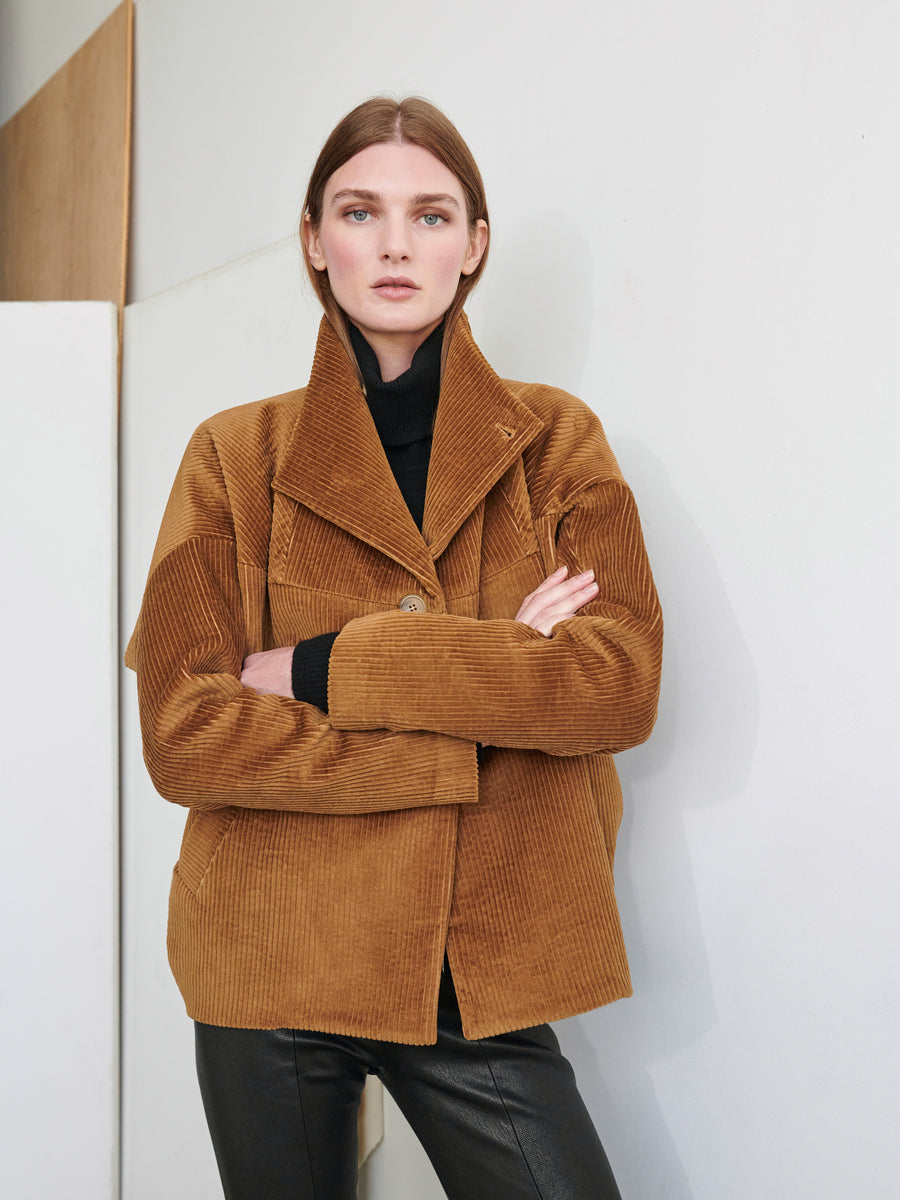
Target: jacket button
412,604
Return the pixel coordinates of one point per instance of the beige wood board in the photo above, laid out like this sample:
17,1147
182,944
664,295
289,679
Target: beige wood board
64,176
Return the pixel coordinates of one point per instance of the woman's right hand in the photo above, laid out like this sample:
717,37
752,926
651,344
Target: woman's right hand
557,599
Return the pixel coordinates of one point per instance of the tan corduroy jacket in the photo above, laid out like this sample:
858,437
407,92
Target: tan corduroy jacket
329,860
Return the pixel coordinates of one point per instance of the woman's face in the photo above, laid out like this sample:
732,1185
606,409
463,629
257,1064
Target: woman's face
394,238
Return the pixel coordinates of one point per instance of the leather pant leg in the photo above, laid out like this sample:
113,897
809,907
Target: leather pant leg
500,1118
281,1105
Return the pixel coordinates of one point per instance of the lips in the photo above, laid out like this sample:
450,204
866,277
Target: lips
395,287
395,281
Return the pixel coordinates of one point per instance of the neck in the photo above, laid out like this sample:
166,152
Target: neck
395,351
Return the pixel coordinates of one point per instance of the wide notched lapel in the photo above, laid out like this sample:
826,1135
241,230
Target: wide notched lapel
480,430
336,466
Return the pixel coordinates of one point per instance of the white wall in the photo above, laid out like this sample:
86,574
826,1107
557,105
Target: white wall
695,216
59,936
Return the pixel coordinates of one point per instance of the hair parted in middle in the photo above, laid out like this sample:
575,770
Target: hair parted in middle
385,119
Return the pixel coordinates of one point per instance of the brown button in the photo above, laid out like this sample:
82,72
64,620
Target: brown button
412,604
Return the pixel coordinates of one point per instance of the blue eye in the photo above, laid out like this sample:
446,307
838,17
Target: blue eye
359,215
432,218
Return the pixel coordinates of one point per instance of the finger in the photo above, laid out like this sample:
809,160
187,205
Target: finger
584,595
552,585
565,587
551,580
549,615
553,594
562,612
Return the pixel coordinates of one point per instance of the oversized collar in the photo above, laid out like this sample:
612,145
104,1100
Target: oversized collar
336,466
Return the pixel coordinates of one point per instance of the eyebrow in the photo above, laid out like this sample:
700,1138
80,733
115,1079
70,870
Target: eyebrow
376,198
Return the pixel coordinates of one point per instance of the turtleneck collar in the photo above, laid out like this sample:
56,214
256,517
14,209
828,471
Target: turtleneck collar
403,409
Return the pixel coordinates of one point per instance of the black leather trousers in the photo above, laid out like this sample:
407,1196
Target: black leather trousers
500,1118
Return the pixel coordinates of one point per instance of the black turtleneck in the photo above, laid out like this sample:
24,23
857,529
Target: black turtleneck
403,413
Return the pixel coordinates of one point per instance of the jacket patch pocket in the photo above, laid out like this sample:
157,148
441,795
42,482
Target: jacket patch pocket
204,834
502,594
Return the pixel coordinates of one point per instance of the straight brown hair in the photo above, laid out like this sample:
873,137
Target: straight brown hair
384,119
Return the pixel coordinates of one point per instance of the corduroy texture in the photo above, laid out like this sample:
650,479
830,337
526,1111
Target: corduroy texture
328,860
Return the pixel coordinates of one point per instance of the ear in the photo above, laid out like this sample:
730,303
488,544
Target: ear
477,245
313,245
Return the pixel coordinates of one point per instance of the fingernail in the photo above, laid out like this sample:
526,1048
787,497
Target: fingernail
586,575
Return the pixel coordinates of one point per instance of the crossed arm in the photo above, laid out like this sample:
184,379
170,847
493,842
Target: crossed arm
556,599
221,729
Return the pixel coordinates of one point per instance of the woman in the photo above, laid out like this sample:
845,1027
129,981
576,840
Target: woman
390,709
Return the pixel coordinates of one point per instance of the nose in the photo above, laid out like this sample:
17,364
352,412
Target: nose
395,245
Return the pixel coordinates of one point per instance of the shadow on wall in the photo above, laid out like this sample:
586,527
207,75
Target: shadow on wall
700,754
538,307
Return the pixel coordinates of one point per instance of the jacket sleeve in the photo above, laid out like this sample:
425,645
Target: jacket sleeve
209,741
591,686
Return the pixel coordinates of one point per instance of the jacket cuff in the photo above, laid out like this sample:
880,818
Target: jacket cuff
309,670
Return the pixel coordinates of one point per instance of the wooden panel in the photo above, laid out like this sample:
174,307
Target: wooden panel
64,176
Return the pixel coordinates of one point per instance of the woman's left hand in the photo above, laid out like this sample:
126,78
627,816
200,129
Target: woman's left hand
269,672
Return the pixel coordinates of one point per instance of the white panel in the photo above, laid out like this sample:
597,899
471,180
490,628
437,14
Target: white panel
59,851
237,335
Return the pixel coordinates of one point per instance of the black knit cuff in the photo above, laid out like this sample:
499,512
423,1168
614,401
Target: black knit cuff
309,670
